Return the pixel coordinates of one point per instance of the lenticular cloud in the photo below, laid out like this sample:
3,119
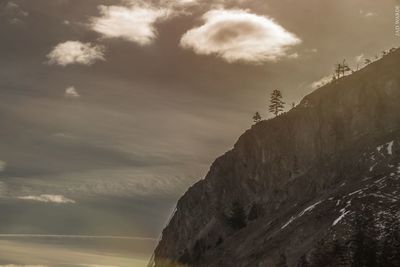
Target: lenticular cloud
237,35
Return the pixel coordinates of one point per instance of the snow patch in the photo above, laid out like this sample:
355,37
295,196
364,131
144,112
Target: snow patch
310,208
356,192
390,147
379,148
340,218
373,167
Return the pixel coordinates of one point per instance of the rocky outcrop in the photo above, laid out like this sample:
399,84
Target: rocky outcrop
296,175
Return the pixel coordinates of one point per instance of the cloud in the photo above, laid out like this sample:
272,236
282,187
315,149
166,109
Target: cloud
75,52
71,92
367,13
3,165
321,82
14,265
359,58
58,199
14,13
294,55
134,24
237,35
187,2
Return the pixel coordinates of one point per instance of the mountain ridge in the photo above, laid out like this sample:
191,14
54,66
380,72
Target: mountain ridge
275,169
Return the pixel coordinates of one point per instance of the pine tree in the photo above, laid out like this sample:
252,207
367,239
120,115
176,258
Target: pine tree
341,69
237,217
277,104
257,117
303,262
338,71
282,261
389,255
330,254
296,167
254,212
340,253
345,68
364,241
322,255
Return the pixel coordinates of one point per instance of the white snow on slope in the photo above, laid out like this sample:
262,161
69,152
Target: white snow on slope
340,218
390,148
310,208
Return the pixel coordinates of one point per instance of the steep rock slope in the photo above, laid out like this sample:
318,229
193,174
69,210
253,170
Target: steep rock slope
298,175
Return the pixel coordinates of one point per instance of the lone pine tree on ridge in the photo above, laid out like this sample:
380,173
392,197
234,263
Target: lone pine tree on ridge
277,105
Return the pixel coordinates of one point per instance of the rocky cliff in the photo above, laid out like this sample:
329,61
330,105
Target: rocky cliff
300,177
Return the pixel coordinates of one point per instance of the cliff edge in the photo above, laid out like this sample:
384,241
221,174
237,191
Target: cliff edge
300,178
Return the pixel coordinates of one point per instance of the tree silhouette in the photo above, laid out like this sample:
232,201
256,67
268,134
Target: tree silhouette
257,117
389,255
330,254
338,71
282,261
237,216
277,104
303,262
345,68
364,244
340,253
256,211
321,255
341,69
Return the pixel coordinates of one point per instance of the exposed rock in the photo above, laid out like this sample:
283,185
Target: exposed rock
301,176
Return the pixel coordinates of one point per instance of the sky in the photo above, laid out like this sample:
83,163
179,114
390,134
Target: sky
111,109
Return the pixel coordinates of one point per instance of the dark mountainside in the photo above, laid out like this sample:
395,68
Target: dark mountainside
310,181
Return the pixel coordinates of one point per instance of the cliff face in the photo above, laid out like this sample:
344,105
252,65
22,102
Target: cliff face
295,175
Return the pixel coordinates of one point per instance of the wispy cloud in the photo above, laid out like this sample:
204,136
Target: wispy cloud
359,58
58,199
14,13
78,237
75,52
368,13
15,265
237,35
321,82
71,92
3,165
